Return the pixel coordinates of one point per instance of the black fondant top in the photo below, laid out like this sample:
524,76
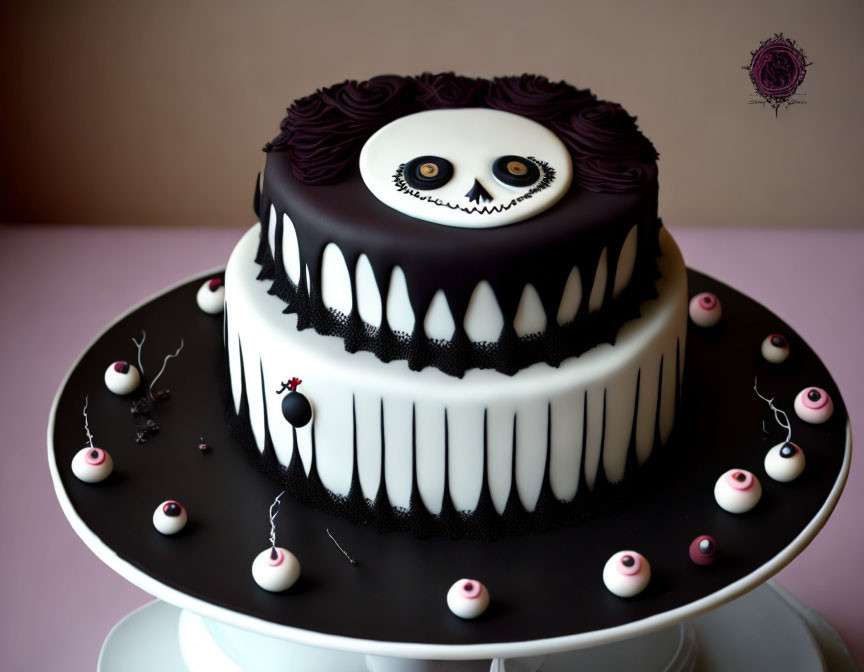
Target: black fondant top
614,189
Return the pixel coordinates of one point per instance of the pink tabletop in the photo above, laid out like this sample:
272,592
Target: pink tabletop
62,285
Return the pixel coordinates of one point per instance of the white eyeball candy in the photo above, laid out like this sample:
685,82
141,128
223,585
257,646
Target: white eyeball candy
627,573
122,378
813,405
211,296
92,465
737,491
467,598
775,348
169,517
275,569
784,462
705,310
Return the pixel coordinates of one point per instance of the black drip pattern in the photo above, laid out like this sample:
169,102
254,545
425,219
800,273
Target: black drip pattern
510,352
484,522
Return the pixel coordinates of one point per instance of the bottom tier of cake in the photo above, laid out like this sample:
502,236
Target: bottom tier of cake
433,453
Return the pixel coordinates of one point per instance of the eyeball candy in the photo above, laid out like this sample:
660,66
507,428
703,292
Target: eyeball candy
92,465
467,598
705,310
122,378
775,349
275,569
784,462
813,405
737,491
211,296
703,550
627,573
169,517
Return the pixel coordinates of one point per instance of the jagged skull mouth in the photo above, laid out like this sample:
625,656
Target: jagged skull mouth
477,193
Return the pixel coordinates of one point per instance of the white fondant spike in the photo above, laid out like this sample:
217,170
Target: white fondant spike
598,290
430,454
367,406
571,297
400,315
335,280
438,323
531,434
290,250
398,461
621,396
530,316
566,460
271,231
369,304
483,320
626,262
334,445
465,424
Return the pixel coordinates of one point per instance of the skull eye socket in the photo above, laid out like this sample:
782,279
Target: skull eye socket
515,171
427,172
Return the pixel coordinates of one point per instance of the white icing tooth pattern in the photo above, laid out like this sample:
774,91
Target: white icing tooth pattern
626,262
462,431
368,297
439,324
598,289
570,298
530,315
483,319
400,315
335,280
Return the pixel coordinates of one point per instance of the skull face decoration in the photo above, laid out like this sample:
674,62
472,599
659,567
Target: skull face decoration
472,168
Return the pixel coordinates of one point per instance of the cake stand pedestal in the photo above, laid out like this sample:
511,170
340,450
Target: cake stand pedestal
767,629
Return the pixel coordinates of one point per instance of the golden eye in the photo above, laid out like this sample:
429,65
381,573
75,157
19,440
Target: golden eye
517,168
429,170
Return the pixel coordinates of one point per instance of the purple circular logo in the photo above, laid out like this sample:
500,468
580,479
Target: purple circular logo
777,68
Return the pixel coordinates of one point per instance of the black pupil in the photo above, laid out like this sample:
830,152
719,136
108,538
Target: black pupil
172,509
778,342
814,395
788,450
94,453
740,477
515,171
628,561
705,546
427,172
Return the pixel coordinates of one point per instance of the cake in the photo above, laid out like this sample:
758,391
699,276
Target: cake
470,280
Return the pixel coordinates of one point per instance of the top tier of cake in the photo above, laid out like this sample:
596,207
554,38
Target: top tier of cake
523,231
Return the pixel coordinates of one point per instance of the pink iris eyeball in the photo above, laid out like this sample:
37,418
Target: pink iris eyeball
170,517
813,405
92,465
467,598
122,378
705,310
737,491
275,569
211,296
785,462
627,573
703,550
775,349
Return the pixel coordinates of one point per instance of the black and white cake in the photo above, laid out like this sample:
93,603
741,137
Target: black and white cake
471,282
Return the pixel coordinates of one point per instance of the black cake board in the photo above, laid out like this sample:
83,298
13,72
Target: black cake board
546,587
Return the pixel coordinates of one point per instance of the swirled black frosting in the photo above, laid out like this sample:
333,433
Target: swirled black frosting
323,133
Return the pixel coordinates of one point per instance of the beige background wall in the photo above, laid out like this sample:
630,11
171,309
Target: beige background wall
153,112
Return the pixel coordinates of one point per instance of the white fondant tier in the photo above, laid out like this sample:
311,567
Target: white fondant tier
588,414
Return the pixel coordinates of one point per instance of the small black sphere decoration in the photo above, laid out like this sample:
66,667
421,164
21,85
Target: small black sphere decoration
295,406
